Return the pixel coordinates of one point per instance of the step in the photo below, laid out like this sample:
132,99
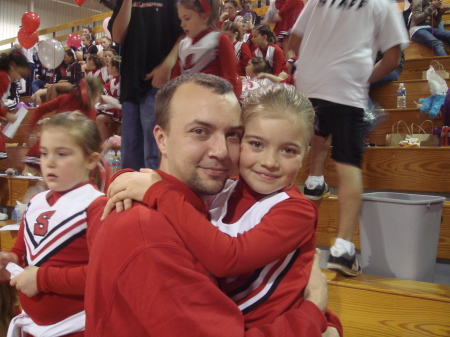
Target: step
374,306
409,116
14,159
327,226
414,67
425,169
417,50
386,95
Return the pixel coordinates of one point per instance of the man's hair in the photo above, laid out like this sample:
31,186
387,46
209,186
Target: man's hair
164,96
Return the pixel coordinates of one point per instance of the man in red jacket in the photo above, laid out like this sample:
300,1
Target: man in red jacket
142,281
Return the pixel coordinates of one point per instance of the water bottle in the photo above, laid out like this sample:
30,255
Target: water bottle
110,160
247,17
401,96
118,161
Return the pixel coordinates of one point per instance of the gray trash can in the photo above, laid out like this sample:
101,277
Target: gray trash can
399,234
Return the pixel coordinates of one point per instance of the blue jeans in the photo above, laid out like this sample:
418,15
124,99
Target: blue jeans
432,38
139,148
36,85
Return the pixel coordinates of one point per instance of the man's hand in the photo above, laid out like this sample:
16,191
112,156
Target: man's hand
127,187
5,258
26,281
316,290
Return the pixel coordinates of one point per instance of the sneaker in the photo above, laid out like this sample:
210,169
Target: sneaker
317,192
345,264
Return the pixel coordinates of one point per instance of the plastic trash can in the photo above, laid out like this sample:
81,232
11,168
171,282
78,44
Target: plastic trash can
399,234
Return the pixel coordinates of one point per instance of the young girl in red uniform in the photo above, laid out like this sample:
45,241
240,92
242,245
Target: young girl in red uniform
288,11
263,236
107,56
73,75
241,49
264,39
12,67
93,67
51,244
204,50
230,12
109,115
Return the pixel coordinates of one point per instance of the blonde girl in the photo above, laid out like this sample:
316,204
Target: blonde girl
52,242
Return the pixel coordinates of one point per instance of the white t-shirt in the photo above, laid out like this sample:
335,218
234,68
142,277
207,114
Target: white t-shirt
339,46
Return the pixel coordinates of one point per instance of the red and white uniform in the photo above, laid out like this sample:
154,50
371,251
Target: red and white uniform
183,299
52,236
104,76
5,85
249,84
243,54
274,55
209,53
94,73
270,245
112,89
247,38
289,10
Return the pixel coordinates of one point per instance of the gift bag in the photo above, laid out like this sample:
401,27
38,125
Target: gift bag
436,83
399,133
426,139
438,68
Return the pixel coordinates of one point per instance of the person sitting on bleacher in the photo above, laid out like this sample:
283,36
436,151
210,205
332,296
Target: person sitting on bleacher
426,17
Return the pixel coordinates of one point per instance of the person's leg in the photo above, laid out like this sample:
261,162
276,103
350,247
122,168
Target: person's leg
132,146
147,115
424,36
319,152
36,85
442,34
393,76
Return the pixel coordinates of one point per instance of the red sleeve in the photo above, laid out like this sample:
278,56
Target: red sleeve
288,5
19,244
4,84
68,280
227,68
279,62
246,54
289,225
46,108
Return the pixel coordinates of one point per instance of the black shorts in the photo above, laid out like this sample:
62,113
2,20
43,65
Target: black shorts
346,126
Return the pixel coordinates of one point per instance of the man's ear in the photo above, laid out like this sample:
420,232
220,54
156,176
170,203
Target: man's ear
160,137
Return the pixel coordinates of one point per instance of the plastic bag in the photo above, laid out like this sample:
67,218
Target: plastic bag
437,83
19,211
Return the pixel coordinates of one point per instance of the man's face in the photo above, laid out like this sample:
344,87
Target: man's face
202,146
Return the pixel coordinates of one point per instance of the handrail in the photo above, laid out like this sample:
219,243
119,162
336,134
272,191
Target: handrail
67,25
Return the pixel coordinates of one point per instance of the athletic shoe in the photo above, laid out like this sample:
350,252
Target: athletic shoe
345,264
317,192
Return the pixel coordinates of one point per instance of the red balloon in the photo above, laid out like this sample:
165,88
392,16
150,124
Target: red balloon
80,2
26,39
30,22
73,40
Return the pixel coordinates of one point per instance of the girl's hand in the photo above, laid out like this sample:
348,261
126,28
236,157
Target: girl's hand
26,281
127,187
11,117
277,18
224,16
316,290
5,258
159,76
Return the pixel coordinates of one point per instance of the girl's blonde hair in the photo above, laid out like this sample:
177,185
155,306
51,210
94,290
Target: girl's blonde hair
280,100
199,7
83,130
232,27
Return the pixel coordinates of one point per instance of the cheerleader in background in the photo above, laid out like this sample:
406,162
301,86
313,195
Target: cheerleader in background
107,56
241,49
264,39
288,11
204,50
109,110
92,67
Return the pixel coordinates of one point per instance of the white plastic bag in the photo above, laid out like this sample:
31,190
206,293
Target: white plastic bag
437,83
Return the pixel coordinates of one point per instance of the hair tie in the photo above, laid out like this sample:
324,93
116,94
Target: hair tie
206,7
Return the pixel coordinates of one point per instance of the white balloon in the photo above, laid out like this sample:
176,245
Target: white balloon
51,53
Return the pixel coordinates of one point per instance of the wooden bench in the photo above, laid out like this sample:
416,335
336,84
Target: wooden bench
328,226
386,95
413,68
394,168
409,116
369,305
